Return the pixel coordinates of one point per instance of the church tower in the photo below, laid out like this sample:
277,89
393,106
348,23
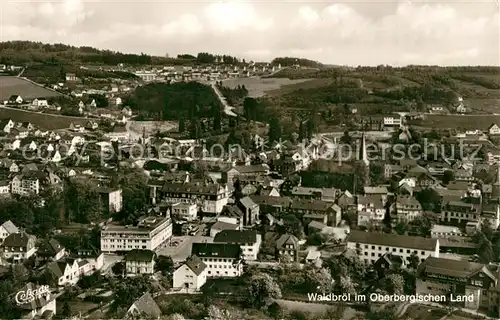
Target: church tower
363,153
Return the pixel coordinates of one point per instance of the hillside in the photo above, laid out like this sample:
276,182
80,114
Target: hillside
340,95
28,52
181,100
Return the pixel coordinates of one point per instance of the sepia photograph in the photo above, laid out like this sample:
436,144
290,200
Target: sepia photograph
250,159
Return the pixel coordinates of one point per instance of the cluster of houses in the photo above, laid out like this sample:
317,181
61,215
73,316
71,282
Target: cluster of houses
208,73
50,259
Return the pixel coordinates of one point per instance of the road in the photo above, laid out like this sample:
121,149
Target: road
227,108
182,251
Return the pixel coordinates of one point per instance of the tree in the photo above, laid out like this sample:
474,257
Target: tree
414,261
485,248
317,279
346,138
429,199
165,264
217,122
447,176
316,239
215,313
182,125
346,285
262,289
118,268
82,201
395,284
66,311
274,133
292,225
100,100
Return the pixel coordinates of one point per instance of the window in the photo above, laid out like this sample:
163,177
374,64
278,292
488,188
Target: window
380,248
407,251
366,253
373,247
366,246
373,254
400,250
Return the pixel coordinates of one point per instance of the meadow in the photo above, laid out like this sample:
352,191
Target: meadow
13,85
258,87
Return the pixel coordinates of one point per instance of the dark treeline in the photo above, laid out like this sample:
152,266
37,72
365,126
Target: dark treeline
290,61
175,101
233,95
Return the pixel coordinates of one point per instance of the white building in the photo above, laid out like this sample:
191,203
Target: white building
440,231
69,272
185,211
25,184
146,76
39,102
494,129
150,233
191,275
248,240
211,198
139,261
407,208
392,121
371,209
372,246
222,260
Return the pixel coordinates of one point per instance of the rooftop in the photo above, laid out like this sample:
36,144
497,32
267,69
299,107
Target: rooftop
393,240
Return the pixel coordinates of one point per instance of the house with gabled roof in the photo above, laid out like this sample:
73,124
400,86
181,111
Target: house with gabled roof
438,276
145,307
6,229
15,99
19,246
51,250
287,245
191,275
6,125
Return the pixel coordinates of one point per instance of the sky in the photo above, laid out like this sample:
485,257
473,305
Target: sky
348,32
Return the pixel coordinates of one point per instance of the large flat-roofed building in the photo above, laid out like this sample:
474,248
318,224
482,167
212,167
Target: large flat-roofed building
150,232
371,246
210,198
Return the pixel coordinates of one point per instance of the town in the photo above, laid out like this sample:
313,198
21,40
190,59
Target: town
119,203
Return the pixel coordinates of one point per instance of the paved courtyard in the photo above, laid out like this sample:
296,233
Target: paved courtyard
183,249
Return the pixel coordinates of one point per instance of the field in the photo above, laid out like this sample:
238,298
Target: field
481,122
27,90
423,312
44,121
257,87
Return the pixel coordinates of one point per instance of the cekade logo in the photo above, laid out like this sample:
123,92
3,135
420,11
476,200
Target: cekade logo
28,296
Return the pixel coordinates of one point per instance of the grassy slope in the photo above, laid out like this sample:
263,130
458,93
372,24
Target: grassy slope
26,89
481,99
44,121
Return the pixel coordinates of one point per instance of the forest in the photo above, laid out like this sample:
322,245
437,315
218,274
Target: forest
175,101
28,52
